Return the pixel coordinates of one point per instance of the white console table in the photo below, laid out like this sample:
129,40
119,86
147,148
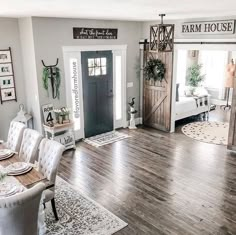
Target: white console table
67,138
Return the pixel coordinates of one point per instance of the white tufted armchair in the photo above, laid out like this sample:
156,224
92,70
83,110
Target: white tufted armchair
15,134
19,213
29,145
50,153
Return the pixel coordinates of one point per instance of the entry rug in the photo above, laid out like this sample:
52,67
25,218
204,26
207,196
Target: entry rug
106,138
209,132
79,215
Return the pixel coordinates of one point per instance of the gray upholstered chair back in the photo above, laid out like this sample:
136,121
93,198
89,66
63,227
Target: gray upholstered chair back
50,153
30,145
19,213
15,134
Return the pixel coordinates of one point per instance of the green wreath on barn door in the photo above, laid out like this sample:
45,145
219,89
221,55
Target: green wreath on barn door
155,70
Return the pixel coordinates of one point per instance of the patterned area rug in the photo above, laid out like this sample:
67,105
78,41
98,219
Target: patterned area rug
106,138
79,214
209,132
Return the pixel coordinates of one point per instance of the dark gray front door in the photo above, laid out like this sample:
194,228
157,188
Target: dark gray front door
97,73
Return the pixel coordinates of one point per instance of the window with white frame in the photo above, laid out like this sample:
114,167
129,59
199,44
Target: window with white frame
213,66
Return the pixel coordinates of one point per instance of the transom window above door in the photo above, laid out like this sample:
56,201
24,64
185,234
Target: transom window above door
97,66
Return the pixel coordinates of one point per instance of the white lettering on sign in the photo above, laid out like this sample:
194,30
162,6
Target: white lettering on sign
75,92
209,27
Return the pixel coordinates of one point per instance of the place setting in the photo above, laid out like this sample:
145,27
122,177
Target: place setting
18,168
6,153
10,189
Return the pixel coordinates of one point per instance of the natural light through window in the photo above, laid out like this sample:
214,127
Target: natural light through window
213,66
74,77
181,66
118,87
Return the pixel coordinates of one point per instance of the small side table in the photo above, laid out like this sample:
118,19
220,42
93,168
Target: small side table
67,138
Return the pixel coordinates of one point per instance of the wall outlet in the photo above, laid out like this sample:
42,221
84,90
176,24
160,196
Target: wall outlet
130,84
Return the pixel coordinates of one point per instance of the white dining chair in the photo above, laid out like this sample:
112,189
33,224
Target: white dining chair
50,153
19,213
15,134
30,145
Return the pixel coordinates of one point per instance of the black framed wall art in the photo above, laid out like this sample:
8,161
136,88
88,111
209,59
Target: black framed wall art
7,81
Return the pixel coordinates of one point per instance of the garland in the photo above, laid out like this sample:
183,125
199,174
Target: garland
55,78
155,70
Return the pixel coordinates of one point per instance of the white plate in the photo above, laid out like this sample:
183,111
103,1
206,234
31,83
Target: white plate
6,189
5,152
17,166
20,172
6,157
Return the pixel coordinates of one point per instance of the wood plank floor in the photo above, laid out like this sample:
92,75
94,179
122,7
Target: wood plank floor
159,183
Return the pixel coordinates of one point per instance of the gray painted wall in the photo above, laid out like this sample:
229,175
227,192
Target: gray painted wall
51,34
30,74
10,38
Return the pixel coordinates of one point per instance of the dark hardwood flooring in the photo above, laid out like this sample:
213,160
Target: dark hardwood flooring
159,183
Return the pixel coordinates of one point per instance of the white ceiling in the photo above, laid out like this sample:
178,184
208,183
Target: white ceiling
137,10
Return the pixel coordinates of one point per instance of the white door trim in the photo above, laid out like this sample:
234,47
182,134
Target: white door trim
228,47
75,51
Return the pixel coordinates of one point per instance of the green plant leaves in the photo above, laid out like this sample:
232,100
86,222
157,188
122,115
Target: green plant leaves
56,76
45,78
194,76
155,70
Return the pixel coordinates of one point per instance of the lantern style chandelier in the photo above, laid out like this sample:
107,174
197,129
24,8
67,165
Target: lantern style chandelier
161,37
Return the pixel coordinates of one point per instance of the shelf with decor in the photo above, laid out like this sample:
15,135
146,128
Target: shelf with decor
62,133
58,126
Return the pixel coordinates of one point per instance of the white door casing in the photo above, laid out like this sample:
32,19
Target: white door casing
227,47
74,91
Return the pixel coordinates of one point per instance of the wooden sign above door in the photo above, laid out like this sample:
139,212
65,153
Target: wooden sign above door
94,33
209,27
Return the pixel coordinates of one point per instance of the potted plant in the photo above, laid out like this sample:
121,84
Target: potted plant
62,115
194,76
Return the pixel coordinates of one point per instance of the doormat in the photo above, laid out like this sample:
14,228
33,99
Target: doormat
209,132
106,138
79,215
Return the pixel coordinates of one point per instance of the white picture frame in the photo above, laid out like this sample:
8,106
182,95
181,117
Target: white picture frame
6,82
5,56
8,94
6,70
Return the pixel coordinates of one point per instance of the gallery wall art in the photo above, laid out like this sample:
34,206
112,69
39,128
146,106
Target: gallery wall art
7,82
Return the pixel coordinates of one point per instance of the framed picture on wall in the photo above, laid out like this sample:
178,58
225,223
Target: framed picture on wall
7,81
5,56
8,94
6,69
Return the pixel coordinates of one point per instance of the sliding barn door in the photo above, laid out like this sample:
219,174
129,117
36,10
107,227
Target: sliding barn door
232,123
157,95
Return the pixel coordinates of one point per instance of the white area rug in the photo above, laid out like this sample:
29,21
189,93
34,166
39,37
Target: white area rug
209,132
106,138
79,215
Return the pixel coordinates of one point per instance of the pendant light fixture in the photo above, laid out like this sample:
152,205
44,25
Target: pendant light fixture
161,37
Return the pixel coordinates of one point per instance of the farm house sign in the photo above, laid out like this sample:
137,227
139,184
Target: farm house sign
94,33
209,27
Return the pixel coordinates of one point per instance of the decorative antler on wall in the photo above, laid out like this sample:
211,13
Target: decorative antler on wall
52,72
